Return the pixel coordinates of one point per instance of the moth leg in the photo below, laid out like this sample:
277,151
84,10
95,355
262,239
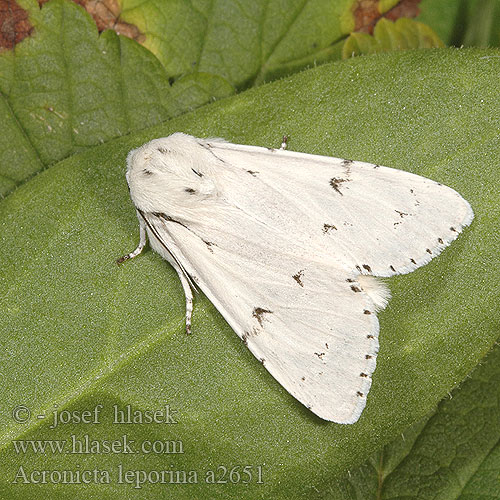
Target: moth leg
140,246
188,293
284,142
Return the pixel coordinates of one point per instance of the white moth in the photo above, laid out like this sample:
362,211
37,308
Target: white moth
288,246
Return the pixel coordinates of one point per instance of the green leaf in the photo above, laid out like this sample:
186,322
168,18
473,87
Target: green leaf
385,5
400,35
463,22
194,90
482,26
246,43
78,331
453,453
444,17
66,89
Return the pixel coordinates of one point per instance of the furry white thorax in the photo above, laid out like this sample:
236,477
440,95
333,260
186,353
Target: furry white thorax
174,175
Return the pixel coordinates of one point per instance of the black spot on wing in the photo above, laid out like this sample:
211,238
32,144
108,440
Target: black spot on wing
367,267
355,289
164,151
253,172
335,183
298,277
392,269
199,174
190,190
258,314
320,355
253,333
328,227
147,172
417,203
209,245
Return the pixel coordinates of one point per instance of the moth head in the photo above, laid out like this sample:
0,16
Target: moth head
169,173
